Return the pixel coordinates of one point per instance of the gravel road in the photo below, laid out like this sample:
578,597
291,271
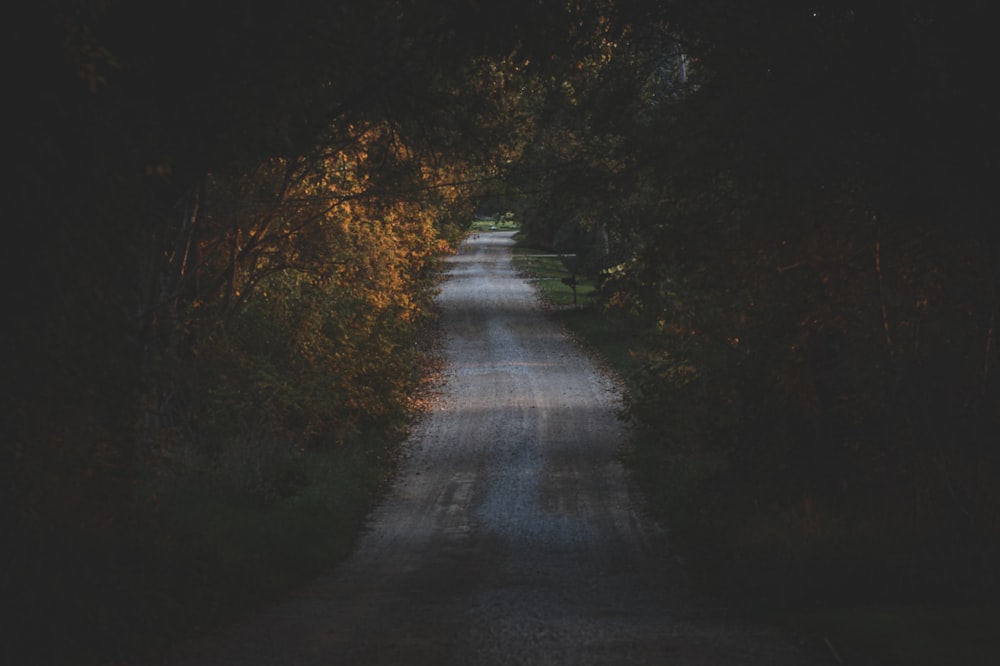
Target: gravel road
512,535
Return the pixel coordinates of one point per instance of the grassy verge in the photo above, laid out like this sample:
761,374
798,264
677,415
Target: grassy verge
243,553
581,314
493,224
883,635
202,555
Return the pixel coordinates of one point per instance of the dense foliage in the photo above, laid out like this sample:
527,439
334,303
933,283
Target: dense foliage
222,238
229,219
794,206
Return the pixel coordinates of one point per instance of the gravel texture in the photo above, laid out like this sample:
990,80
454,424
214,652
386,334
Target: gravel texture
512,535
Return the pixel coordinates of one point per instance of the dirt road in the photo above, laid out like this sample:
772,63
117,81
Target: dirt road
512,534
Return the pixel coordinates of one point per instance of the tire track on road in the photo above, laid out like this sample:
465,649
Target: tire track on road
511,534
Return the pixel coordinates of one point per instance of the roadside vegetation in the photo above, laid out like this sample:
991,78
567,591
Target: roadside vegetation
224,303
258,406
583,313
221,262
801,256
498,222
872,625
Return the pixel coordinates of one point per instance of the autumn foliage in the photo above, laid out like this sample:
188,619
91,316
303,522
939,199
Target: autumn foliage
222,288
222,243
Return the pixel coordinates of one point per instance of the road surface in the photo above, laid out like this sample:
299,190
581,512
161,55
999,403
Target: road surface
512,535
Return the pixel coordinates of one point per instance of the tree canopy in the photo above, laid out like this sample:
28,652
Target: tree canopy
794,205
227,218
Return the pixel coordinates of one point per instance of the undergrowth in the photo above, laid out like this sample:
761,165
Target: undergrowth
831,572
203,555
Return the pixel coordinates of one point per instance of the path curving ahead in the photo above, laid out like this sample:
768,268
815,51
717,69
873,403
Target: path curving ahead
511,535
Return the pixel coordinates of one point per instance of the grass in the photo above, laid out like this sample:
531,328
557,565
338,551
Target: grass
866,635
547,270
585,318
203,556
219,554
493,224
244,553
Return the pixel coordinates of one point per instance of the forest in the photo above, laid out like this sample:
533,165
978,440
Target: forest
226,227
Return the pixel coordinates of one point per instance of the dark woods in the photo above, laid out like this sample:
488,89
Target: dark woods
221,254
222,249
793,203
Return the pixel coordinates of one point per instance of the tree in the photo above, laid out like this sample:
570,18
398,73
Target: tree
230,216
796,223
